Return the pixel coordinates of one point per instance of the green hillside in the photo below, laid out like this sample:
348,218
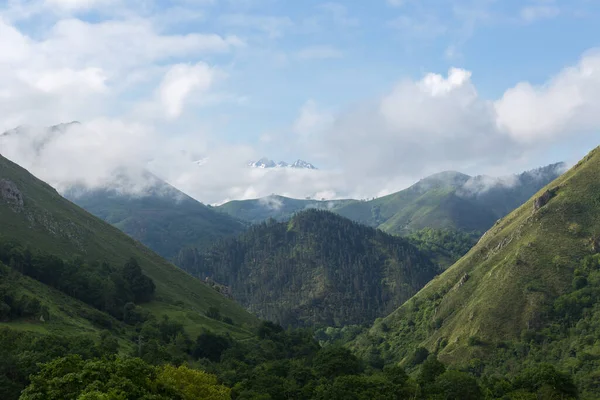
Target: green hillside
316,269
162,218
36,217
276,207
448,200
528,292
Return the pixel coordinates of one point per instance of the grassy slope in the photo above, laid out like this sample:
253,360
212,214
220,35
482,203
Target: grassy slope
440,201
53,224
517,269
431,203
165,221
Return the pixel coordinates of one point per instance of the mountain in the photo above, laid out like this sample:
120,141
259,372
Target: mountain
316,269
277,207
70,261
142,205
528,292
267,163
451,200
161,217
447,200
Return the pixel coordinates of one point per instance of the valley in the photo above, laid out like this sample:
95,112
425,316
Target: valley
310,200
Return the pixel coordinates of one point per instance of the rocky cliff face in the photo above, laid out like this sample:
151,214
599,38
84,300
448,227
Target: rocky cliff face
10,194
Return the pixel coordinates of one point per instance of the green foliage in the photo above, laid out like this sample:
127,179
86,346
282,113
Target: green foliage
317,269
448,200
456,385
544,378
49,225
214,313
210,346
21,353
191,384
446,246
72,377
164,219
104,288
336,361
527,293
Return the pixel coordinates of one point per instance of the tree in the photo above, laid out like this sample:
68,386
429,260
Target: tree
192,384
210,345
140,285
214,313
455,385
546,378
336,361
430,370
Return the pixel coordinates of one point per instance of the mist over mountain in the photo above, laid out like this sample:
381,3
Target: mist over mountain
267,163
446,200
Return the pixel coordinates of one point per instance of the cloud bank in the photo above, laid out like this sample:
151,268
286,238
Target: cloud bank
141,92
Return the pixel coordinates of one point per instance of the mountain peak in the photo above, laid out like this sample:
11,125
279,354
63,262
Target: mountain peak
303,164
268,163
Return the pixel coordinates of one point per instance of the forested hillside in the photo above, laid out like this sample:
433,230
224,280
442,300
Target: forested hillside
161,217
528,292
53,241
316,269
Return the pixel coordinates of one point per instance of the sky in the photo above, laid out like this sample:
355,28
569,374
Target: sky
378,94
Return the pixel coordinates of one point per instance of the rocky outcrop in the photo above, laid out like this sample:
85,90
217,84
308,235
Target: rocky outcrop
10,194
544,198
462,281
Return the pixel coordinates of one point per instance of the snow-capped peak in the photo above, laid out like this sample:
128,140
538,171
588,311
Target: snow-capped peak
303,164
268,163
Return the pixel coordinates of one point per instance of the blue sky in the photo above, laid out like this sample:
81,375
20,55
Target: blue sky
360,88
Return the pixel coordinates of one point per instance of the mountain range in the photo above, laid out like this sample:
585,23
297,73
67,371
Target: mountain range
447,200
522,305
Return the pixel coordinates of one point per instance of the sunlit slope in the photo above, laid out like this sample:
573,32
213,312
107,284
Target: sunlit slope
33,213
507,284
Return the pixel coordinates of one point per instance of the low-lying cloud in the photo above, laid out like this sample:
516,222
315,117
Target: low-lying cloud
133,85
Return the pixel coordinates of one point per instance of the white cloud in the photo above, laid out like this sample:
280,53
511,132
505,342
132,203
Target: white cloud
418,128
136,69
77,70
567,104
311,120
180,81
79,4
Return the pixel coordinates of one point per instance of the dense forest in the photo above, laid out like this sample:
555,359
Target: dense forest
156,358
111,290
277,365
444,246
316,269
